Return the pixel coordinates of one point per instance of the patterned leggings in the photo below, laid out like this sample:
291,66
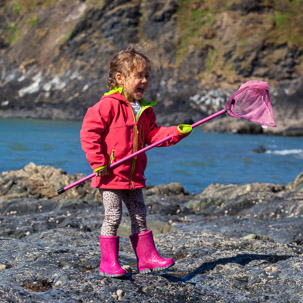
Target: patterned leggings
112,201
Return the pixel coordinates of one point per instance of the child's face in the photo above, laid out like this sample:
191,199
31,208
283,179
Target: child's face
136,83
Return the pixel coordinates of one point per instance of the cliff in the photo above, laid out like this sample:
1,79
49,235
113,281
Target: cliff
55,55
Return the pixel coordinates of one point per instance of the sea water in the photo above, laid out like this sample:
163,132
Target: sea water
196,162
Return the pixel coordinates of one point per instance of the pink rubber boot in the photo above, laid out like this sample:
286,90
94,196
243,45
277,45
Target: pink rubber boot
147,256
109,265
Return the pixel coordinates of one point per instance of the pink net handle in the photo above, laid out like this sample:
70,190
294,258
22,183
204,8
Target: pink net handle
252,102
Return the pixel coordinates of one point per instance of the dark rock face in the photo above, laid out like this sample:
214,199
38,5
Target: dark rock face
230,243
55,56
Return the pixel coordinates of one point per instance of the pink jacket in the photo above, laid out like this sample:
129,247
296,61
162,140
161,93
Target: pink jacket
110,132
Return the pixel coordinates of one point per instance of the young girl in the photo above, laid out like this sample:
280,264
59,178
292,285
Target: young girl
121,123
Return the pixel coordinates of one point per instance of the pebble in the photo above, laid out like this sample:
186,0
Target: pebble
58,283
120,293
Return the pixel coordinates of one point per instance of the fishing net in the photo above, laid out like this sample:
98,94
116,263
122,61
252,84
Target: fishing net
252,102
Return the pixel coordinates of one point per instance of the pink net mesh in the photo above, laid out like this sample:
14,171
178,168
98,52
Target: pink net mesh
252,102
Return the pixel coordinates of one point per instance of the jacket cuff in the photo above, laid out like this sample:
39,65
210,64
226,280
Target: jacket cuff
184,128
99,168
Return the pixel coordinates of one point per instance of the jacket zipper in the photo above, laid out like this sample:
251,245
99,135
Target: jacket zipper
141,134
134,158
135,149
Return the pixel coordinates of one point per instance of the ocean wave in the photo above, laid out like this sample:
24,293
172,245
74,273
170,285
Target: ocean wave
285,152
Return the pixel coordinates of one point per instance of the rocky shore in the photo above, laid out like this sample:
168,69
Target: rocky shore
231,243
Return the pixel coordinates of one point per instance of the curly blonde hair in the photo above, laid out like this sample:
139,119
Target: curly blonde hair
125,62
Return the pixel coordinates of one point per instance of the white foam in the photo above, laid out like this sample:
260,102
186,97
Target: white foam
285,152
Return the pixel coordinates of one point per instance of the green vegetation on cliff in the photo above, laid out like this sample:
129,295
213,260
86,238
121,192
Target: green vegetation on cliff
234,36
198,18
235,33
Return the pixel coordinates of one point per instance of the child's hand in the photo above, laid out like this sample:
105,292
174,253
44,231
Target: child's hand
102,172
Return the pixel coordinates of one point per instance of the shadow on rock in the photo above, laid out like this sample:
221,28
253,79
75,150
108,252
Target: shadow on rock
241,259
